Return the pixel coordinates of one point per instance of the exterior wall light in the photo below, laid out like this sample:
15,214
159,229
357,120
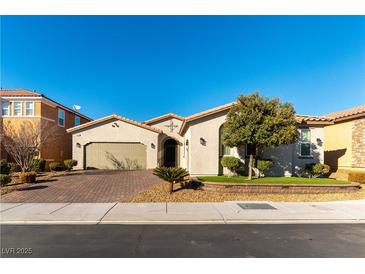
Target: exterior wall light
153,145
78,145
203,141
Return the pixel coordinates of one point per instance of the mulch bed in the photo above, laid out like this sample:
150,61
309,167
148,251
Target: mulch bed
159,193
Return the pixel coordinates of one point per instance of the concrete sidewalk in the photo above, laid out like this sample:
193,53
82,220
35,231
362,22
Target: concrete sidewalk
182,213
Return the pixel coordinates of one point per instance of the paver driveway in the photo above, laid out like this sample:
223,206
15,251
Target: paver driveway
88,186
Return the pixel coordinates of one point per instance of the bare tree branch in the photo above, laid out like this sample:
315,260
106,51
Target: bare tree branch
25,141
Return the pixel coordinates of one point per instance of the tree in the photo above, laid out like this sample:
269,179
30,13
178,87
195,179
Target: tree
24,142
259,122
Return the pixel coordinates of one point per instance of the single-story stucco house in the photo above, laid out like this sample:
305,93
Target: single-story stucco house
192,142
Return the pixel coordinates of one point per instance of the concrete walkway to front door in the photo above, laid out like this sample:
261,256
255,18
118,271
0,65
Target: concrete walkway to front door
177,213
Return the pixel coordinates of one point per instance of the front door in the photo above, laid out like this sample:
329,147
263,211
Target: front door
170,153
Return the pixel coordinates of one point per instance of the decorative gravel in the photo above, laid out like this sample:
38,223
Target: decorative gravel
159,193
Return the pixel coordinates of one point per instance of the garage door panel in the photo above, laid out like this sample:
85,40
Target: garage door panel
116,156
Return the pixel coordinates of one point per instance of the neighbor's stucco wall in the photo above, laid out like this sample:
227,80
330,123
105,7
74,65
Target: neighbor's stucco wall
338,145
106,133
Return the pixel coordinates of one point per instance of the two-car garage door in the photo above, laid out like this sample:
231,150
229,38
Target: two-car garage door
115,156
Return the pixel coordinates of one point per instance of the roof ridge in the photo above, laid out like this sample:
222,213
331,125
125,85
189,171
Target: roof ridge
118,117
164,116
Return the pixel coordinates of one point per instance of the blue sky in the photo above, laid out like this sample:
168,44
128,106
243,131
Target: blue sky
144,66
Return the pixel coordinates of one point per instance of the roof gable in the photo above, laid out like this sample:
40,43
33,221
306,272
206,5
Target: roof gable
164,117
110,117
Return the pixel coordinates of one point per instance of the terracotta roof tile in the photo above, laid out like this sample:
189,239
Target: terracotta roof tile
163,117
114,116
348,113
28,93
19,92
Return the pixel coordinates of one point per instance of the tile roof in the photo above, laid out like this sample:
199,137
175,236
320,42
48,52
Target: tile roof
310,118
163,117
355,112
29,93
19,92
117,117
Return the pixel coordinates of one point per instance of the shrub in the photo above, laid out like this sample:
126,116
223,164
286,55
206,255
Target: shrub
317,169
4,167
38,165
5,179
14,167
357,177
28,177
232,163
69,164
171,174
56,166
264,164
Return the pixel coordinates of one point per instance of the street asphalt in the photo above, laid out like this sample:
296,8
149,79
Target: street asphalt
214,240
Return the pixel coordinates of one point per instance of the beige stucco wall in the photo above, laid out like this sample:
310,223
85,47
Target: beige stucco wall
287,159
338,145
204,158
124,133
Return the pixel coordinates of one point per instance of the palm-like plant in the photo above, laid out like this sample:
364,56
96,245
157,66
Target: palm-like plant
171,174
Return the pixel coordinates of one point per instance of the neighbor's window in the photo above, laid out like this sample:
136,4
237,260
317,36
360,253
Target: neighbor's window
17,109
305,142
77,120
29,109
61,117
5,108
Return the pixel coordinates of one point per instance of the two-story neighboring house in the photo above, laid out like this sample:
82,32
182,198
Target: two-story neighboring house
18,105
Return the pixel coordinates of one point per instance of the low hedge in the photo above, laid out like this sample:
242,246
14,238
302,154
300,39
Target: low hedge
4,167
357,177
56,166
28,177
38,165
5,179
69,164
14,167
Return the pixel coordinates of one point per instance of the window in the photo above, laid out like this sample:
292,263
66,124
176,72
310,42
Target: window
17,109
61,117
29,109
223,150
305,142
250,150
77,120
5,108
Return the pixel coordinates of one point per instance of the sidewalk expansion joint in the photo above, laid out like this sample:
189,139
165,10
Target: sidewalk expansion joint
11,208
106,213
224,219
62,207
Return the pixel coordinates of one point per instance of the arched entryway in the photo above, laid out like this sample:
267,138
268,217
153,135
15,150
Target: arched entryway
170,153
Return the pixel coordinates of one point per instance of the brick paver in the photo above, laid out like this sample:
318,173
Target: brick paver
93,186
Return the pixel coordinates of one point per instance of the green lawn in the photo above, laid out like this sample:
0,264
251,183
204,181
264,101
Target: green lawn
270,180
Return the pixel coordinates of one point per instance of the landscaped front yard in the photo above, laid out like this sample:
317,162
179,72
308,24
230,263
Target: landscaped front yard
270,180
160,193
